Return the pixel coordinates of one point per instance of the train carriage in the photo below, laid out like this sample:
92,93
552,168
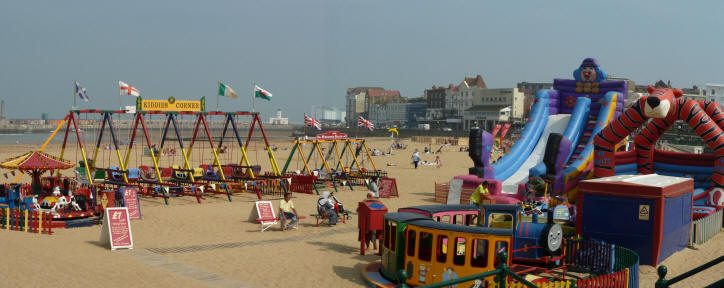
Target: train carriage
453,214
435,251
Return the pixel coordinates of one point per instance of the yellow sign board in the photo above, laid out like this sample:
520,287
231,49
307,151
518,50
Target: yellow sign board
171,104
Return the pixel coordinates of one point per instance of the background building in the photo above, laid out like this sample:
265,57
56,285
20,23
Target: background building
279,120
359,100
328,115
529,89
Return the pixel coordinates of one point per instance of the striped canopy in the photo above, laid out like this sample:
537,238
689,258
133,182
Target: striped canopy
36,161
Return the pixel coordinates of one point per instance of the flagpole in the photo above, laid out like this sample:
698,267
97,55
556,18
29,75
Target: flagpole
253,99
217,96
120,101
74,87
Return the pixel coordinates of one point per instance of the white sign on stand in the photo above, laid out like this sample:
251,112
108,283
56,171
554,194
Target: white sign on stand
456,187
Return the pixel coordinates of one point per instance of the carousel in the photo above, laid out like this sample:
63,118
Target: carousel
55,194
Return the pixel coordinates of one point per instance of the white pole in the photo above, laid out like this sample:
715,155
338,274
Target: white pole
73,107
120,102
253,99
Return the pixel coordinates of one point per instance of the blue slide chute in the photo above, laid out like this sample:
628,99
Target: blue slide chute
574,131
508,164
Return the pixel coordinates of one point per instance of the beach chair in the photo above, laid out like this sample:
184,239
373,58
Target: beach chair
265,215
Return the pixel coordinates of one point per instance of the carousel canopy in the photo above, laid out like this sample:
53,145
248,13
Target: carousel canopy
36,160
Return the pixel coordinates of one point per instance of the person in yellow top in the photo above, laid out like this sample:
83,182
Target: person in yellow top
477,197
287,212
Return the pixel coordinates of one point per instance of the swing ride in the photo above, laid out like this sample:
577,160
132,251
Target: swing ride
164,181
347,164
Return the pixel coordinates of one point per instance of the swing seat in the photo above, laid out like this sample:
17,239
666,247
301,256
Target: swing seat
147,174
99,175
133,174
209,173
166,173
116,174
179,173
197,172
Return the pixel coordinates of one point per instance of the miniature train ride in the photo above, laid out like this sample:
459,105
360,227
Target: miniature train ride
435,243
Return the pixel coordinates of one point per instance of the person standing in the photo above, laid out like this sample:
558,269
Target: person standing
287,212
374,188
477,198
416,157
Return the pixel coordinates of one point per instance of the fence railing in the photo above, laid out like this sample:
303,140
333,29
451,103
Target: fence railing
616,267
662,270
706,228
32,221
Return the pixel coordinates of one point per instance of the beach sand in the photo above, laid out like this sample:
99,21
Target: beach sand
212,244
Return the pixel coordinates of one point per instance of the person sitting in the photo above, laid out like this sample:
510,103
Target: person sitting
426,150
287,212
338,207
535,185
438,162
325,208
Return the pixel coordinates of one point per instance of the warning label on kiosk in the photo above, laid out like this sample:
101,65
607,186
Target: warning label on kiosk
644,212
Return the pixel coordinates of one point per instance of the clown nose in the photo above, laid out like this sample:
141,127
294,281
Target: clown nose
586,74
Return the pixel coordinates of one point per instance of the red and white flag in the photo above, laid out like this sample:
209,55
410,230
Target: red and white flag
311,122
362,122
128,89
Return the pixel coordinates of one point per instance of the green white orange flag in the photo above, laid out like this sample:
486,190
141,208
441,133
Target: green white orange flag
261,93
226,91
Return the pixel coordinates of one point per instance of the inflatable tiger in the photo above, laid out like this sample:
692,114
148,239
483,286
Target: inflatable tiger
665,106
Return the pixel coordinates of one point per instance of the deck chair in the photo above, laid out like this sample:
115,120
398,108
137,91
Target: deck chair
265,215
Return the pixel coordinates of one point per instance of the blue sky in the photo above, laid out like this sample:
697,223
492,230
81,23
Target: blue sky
308,52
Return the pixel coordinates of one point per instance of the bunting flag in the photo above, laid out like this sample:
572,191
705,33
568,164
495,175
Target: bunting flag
261,93
503,132
362,122
80,92
226,91
496,129
311,122
128,89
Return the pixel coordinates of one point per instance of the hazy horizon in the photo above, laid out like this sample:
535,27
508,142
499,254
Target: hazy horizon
308,53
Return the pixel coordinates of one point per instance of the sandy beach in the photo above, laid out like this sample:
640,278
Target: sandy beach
212,244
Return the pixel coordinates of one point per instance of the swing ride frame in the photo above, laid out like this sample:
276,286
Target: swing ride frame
171,119
316,144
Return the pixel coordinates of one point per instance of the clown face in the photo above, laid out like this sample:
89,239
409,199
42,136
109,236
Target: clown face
588,74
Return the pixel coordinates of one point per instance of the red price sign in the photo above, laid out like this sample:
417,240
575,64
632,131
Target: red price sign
116,229
130,198
388,188
264,210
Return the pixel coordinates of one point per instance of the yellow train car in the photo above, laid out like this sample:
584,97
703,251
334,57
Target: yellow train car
432,251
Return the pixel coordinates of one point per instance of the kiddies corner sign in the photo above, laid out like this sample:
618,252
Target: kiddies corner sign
171,104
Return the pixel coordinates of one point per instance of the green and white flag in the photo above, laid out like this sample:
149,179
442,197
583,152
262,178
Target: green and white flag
226,91
261,93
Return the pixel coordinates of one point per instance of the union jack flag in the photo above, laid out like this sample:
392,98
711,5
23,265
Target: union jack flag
311,122
362,122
